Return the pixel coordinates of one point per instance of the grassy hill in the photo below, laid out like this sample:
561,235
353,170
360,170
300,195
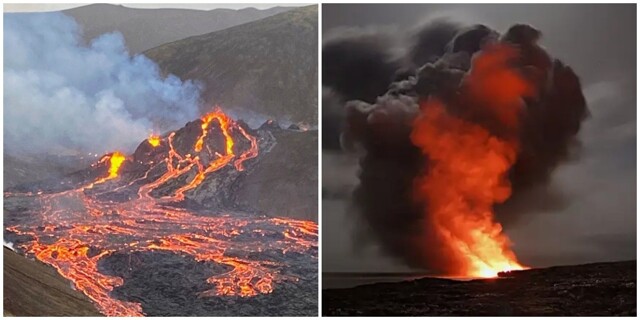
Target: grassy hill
147,28
267,66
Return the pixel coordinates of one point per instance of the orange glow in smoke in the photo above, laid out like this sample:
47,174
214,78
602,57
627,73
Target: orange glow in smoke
468,168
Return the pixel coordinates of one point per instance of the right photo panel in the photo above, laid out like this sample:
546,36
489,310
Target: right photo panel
479,160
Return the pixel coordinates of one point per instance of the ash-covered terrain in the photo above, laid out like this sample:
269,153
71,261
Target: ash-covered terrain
598,289
173,229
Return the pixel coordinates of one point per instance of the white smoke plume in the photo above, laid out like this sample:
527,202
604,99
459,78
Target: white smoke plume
63,96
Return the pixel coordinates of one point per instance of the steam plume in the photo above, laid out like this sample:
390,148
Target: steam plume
61,95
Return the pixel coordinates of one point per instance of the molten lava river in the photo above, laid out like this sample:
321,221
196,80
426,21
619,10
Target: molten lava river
74,229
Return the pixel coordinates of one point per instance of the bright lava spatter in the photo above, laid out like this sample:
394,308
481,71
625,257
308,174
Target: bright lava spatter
154,140
76,228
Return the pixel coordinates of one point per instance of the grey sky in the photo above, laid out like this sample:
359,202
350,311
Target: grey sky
599,224
38,7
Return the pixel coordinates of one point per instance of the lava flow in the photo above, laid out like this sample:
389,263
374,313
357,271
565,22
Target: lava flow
469,166
74,229
115,161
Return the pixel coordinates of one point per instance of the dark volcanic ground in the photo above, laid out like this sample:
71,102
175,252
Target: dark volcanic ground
599,289
168,283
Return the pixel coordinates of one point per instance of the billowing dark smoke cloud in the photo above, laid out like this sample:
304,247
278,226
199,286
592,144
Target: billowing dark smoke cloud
437,65
332,119
428,43
359,64
63,96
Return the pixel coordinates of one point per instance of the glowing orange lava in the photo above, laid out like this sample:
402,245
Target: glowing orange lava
469,166
154,140
224,125
115,161
76,228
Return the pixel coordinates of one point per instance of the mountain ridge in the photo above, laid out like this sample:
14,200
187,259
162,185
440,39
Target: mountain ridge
144,29
251,67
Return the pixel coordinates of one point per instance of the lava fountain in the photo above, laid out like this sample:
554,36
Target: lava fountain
468,165
154,140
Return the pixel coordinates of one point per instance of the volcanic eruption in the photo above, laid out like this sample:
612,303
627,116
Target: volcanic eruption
173,218
137,204
470,120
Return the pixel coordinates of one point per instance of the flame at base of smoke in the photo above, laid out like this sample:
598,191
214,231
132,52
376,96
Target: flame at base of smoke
468,166
466,177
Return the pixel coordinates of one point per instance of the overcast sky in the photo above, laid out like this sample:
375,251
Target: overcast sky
599,224
35,7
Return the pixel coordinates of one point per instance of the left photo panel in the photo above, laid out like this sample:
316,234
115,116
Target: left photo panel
160,160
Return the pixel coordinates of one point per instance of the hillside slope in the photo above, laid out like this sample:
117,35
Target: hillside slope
34,289
285,182
144,29
267,66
